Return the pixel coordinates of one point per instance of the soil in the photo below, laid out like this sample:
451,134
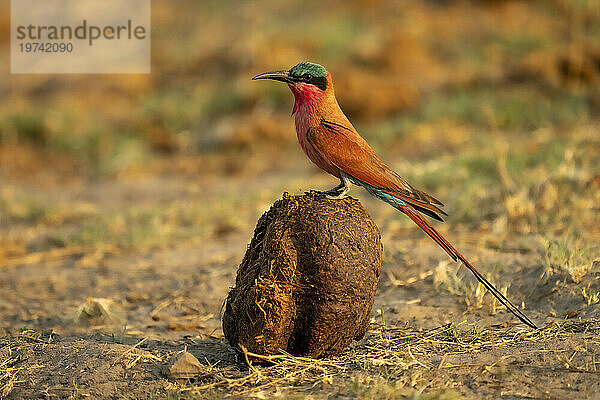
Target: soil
164,300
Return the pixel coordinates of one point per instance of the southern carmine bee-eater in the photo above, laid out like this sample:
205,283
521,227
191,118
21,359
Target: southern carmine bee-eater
331,142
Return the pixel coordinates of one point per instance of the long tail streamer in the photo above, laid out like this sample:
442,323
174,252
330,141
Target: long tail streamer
452,252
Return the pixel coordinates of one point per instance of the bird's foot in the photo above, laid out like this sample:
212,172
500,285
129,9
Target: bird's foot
337,196
336,193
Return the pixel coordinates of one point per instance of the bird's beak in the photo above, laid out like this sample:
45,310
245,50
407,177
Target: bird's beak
282,76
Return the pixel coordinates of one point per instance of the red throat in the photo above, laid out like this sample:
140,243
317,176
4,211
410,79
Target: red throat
305,96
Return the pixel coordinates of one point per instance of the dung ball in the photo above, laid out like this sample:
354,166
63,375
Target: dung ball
307,282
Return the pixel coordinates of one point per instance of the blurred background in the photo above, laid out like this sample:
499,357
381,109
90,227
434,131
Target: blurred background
491,106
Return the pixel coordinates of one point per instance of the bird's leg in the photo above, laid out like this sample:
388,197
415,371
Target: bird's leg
338,192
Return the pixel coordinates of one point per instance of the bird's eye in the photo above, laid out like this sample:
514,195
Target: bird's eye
307,76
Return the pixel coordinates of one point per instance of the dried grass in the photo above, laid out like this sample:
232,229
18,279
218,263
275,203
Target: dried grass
404,355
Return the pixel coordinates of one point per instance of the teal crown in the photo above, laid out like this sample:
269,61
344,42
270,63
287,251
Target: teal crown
316,70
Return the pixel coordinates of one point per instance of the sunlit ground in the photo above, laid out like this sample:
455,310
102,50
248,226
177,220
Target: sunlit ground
144,190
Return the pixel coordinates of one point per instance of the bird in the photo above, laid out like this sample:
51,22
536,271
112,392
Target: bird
332,143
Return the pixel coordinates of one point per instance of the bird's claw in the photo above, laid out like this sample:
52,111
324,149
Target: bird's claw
334,194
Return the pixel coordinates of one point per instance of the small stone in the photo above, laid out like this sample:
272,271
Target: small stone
183,365
97,311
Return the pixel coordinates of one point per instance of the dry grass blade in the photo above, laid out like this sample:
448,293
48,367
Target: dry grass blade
8,376
129,350
53,255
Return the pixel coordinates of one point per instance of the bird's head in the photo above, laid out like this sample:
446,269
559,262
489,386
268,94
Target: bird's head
308,81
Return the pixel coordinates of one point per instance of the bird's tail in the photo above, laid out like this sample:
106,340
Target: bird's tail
452,252
418,219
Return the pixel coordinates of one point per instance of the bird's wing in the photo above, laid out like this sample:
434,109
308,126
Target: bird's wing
344,148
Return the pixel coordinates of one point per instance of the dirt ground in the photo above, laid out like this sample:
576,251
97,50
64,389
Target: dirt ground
163,301
127,202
